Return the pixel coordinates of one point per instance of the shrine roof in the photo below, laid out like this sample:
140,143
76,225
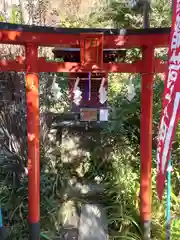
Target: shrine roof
106,31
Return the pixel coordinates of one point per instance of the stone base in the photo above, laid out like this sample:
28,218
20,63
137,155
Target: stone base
69,234
3,233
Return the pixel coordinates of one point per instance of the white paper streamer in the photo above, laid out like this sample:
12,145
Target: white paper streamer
131,93
77,92
102,92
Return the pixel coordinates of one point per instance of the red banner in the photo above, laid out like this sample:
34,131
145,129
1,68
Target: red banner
171,102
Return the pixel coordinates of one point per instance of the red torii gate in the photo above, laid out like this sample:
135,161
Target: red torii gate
91,61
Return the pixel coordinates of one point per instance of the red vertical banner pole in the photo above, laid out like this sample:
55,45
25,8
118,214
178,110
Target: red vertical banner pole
32,98
146,139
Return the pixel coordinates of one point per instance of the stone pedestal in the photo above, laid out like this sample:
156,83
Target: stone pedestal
81,221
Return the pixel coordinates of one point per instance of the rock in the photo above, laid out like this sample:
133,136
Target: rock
93,223
69,216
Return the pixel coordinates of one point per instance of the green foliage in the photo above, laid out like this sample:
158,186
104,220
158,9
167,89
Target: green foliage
122,188
161,13
14,203
16,15
2,19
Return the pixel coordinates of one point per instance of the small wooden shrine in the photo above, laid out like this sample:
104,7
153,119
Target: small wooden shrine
88,91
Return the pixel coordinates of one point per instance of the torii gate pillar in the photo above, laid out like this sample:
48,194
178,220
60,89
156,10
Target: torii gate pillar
146,140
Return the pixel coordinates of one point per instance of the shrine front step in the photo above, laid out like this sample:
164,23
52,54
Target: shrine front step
93,223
